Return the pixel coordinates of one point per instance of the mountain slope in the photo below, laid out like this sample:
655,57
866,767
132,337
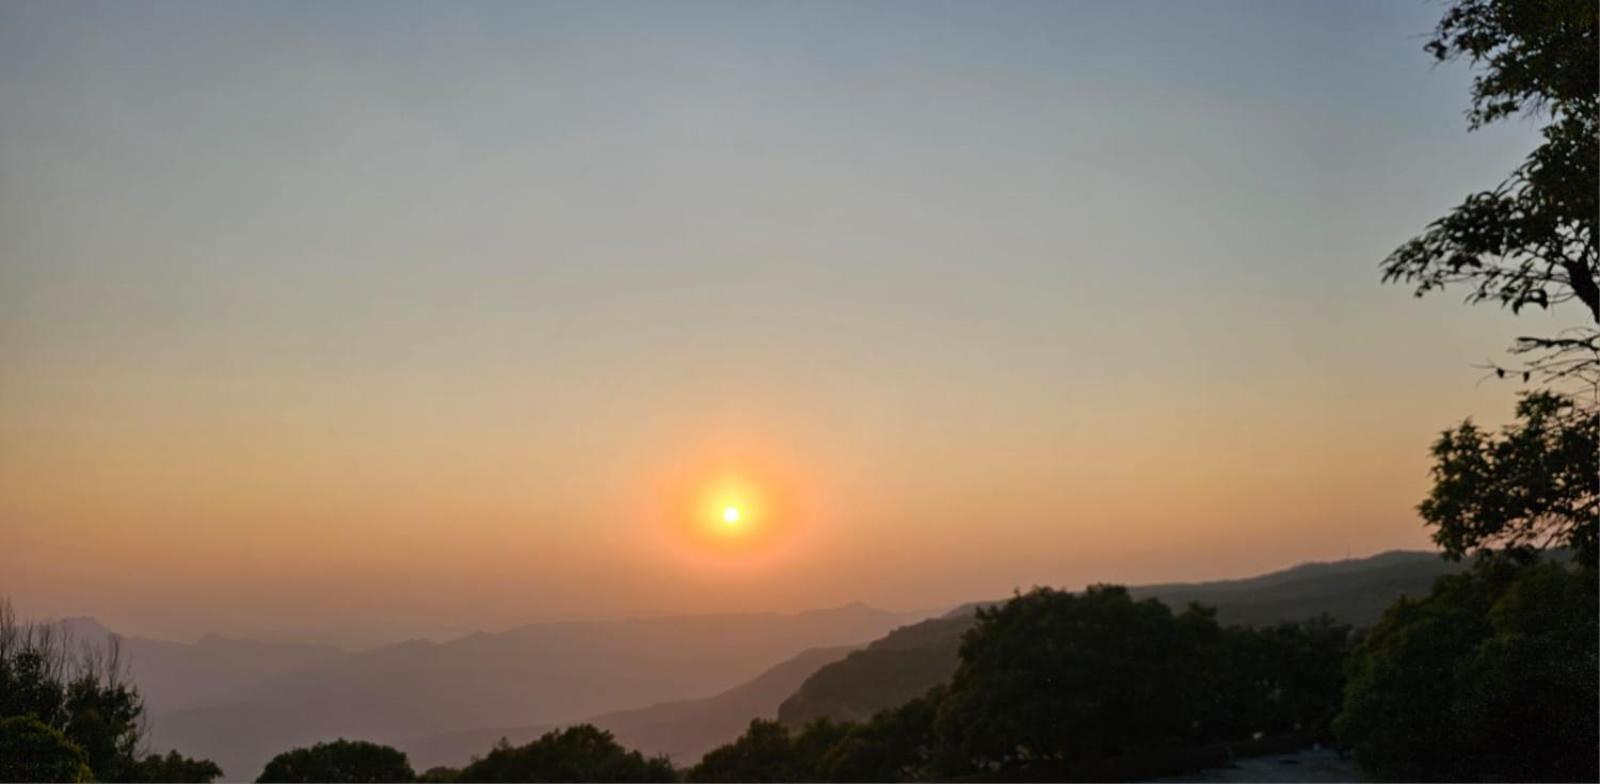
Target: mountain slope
915,658
176,676
685,730
682,729
532,675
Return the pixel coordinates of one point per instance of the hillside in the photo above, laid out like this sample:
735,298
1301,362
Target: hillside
175,676
913,659
681,729
533,675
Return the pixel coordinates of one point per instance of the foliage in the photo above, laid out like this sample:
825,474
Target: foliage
1491,677
896,745
764,752
176,768
31,750
1531,240
82,693
580,753
440,774
341,760
913,659
1052,677
1280,680
1532,486
891,671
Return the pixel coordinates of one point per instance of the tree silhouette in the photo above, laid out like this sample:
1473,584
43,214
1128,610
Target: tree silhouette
579,753
1493,677
341,761
81,692
31,750
1052,677
1532,486
763,753
1532,239
175,767
897,744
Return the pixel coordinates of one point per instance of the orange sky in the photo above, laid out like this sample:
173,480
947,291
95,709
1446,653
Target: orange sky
300,340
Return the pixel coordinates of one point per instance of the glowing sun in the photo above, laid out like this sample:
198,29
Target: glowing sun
730,515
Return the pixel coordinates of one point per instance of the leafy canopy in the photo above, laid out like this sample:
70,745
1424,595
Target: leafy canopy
580,753
339,761
1531,486
1531,240
31,750
1492,677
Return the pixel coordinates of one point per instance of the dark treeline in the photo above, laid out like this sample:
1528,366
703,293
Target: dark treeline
1047,679
1493,676
1051,680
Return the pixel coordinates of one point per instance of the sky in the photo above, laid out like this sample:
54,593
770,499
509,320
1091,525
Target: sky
363,321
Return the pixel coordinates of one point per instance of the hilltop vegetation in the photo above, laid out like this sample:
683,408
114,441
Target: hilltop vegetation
682,730
913,659
68,713
1060,684
1497,665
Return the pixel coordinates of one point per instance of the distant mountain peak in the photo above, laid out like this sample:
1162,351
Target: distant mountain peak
84,628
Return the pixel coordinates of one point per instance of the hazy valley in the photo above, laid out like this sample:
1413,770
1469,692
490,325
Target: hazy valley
678,685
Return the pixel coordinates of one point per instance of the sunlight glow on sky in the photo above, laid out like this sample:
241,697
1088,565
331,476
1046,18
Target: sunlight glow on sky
365,321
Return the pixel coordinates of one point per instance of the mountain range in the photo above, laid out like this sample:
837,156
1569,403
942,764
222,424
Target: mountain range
700,678
528,676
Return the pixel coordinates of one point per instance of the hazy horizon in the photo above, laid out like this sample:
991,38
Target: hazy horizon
446,633
325,324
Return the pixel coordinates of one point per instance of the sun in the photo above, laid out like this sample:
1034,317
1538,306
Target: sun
730,515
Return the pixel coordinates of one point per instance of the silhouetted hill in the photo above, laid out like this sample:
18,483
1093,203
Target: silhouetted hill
682,729
915,658
1355,591
529,676
175,676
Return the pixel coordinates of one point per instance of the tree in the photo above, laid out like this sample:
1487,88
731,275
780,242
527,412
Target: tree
1051,677
1492,677
1532,239
813,742
580,753
31,750
81,692
103,714
897,744
342,760
763,753
1057,682
1280,680
1533,486
175,767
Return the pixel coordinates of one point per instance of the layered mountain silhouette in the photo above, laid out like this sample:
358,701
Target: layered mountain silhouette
702,678
681,729
529,676
175,675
